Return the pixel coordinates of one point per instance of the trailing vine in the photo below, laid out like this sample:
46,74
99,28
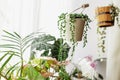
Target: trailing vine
101,39
62,23
114,12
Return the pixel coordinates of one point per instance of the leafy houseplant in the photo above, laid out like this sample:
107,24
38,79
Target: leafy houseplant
40,43
58,49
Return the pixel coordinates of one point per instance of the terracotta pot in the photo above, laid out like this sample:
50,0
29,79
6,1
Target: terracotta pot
104,16
79,27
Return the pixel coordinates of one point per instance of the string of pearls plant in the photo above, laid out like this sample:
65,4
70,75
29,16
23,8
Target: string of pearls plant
66,19
101,40
114,12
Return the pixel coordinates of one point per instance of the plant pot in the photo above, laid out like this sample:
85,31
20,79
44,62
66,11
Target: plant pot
78,32
104,17
101,66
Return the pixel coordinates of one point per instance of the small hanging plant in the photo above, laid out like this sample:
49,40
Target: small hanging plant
74,26
114,12
101,40
66,24
66,19
106,15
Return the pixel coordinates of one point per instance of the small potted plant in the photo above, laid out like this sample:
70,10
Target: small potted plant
14,46
73,26
106,15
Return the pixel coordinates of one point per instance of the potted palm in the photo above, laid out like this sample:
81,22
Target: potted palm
15,46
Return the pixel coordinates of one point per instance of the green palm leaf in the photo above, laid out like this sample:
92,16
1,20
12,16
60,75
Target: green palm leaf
3,56
10,45
27,46
10,38
25,43
32,35
11,69
17,35
4,64
15,46
11,35
11,52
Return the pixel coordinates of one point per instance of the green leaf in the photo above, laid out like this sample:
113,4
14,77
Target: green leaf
12,52
17,35
4,64
27,42
32,74
34,34
12,41
9,47
11,68
11,35
25,48
3,56
45,53
60,50
42,42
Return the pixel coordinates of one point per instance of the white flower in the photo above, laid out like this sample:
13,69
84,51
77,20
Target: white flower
87,67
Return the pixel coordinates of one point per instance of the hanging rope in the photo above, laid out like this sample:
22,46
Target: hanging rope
83,6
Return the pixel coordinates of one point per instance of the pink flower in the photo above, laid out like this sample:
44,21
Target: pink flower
89,58
93,65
